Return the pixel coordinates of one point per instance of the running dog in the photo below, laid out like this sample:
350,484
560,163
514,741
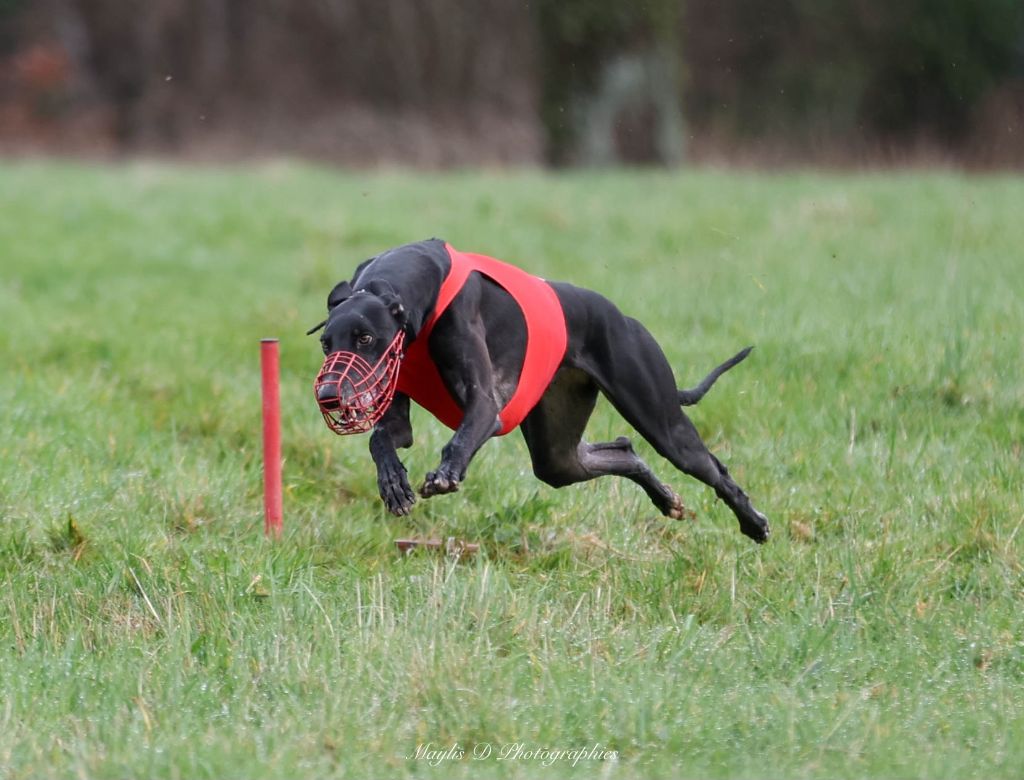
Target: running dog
486,348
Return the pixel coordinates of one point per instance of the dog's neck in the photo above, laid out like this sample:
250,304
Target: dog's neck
417,285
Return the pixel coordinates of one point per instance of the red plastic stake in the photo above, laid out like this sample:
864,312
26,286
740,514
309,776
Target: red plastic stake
271,438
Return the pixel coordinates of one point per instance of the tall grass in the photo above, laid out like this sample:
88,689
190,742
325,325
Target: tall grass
149,630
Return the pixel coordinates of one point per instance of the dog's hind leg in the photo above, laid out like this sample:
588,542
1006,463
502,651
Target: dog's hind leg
554,435
640,384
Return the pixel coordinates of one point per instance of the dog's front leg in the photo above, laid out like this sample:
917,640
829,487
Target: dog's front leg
471,380
393,430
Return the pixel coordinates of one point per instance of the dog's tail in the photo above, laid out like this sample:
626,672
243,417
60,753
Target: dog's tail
693,395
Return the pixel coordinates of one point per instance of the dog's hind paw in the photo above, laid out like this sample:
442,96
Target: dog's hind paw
756,528
677,510
671,505
437,482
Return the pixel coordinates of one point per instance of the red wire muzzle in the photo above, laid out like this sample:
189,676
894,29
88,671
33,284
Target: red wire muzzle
352,394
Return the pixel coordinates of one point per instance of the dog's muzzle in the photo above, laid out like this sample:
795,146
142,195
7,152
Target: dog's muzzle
352,394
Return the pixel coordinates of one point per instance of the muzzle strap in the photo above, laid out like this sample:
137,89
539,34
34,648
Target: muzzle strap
352,394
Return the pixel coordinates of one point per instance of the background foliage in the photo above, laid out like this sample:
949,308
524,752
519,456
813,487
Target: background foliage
445,82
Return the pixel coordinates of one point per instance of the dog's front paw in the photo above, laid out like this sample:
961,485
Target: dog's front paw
438,482
396,492
399,499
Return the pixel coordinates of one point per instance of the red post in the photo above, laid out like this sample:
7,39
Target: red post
271,438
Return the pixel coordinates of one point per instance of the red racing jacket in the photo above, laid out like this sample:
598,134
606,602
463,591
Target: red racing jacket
546,341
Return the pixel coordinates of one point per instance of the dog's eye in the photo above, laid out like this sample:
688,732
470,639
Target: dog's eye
364,339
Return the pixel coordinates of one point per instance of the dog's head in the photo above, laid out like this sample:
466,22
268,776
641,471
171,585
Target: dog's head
363,338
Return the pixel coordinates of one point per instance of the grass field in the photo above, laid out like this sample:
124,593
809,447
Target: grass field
147,629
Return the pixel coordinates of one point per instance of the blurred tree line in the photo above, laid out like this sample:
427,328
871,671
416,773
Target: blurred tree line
442,82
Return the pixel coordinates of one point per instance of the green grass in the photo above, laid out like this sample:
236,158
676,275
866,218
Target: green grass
147,629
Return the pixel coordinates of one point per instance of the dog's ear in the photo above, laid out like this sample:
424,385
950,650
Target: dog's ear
342,291
391,299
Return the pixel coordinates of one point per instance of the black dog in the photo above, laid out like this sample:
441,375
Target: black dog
478,350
